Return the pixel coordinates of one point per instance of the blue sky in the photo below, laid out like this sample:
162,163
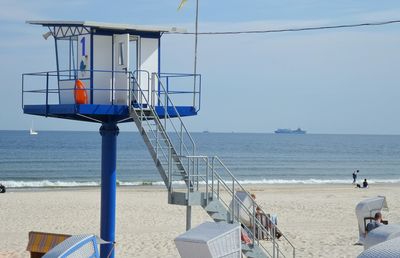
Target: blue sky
335,81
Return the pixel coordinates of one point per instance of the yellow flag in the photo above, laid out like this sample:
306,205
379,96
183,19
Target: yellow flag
183,2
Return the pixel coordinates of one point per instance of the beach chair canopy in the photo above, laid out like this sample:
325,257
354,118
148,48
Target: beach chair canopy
387,249
244,211
381,234
367,208
76,246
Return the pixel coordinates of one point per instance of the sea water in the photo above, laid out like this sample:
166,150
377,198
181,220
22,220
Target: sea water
65,159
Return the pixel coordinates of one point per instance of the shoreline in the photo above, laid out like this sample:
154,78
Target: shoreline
162,187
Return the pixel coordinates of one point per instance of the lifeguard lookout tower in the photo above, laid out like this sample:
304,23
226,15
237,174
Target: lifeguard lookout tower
110,74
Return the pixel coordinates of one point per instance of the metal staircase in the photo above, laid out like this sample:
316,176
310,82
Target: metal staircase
198,180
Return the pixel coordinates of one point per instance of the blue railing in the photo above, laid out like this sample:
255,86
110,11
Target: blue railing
43,88
173,88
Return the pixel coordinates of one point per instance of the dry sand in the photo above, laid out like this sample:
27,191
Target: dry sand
318,219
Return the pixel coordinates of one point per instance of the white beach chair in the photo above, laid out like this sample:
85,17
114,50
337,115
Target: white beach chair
210,240
387,249
365,211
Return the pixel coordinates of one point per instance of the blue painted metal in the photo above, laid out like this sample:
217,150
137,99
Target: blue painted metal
102,113
159,70
182,110
47,95
91,66
109,133
112,69
73,57
23,90
69,56
58,67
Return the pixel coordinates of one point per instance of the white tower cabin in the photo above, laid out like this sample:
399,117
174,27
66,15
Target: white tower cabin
106,63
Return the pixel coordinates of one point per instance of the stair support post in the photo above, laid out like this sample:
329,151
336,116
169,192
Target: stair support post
188,217
109,133
188,207
233,201
207,196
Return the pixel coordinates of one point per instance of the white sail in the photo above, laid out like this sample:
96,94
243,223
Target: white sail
32,131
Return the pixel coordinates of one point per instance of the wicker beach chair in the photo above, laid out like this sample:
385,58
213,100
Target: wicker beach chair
41,242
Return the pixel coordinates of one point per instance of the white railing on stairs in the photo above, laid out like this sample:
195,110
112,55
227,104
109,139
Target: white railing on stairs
213,177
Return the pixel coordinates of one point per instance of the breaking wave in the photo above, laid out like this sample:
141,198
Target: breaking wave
66,184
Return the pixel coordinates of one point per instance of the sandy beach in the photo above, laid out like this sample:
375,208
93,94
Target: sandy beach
318,219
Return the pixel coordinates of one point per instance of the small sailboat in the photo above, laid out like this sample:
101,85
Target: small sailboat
32,131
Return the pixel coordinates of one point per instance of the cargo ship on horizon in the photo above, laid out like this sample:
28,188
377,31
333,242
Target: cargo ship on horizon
290,131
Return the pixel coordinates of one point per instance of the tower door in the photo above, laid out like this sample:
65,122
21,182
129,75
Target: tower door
120,93
133,54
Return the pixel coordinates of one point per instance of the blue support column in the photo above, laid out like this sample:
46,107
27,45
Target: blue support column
109,133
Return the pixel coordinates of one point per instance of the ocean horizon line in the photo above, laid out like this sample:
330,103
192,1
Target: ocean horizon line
211,132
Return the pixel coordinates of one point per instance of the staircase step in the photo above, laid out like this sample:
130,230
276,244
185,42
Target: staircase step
180,174
150,127
174,163
181,198
214,206
219,217
162,148
253,251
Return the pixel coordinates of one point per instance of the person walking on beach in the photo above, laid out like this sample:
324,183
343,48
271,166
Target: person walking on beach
355,176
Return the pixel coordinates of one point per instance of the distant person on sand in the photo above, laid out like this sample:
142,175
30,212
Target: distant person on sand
355,176
2,188
377,222
364,184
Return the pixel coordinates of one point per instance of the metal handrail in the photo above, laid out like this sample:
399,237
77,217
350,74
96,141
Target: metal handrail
254,204
142,96
72,74
195,92
256,223
166,114
177,115
135,76
158,143
66,75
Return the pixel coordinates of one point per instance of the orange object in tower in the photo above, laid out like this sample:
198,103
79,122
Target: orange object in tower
80,93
